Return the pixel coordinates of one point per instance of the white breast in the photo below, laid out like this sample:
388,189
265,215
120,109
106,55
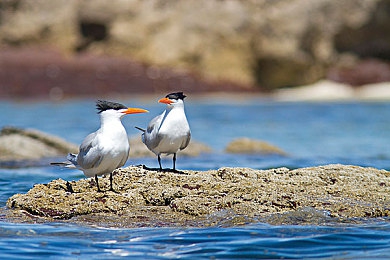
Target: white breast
173,131
109,151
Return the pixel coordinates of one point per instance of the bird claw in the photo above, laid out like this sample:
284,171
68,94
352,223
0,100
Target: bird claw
112,189
69,187
161,170
171,170
176,171
149,168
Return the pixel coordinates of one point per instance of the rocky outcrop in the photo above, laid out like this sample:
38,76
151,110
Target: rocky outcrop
325,90
359,73
151,198
31,144
266,43
246,145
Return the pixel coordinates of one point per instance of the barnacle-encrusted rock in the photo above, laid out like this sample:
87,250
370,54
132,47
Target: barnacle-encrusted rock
147,198
252,146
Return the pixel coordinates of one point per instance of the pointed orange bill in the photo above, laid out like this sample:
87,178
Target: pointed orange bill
131,110
166,101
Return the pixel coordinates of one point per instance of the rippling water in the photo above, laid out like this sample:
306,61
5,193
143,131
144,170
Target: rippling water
311,133
256,241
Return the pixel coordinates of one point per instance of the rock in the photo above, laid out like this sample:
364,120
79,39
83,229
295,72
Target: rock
138,148
30,144
320,91
377,91
40,22
358,73
266,43
325,90
250,146
151,198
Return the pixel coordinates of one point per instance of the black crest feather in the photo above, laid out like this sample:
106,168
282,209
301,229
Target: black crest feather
103,105
176,95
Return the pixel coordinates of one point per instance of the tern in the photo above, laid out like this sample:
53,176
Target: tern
106,149
168,132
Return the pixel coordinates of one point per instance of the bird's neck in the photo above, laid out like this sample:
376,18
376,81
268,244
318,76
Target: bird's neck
175,113
176,107
111,124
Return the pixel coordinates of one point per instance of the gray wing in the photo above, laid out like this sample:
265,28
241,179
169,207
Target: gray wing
151,136
124,159
88,156
186,142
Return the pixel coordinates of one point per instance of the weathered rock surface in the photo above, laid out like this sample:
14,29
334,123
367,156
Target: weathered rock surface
246,145
234,195
31,144
270,43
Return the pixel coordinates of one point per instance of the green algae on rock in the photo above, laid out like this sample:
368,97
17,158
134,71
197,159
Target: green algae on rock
148,198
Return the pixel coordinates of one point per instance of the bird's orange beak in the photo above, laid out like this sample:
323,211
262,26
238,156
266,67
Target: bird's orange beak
131,110
165,101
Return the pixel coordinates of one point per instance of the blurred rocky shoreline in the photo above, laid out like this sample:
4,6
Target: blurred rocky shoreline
35,73
47,75
94,47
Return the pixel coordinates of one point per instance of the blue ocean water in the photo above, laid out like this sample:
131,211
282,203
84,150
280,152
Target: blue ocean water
311,133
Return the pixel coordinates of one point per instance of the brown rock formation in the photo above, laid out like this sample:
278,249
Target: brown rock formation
31,144
150,198
246,145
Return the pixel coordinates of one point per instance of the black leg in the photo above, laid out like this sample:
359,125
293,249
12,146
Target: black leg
174,162
159,161
97,184
69,187
111,188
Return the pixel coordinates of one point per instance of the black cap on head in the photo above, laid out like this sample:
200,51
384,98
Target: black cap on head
103,105
176,95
